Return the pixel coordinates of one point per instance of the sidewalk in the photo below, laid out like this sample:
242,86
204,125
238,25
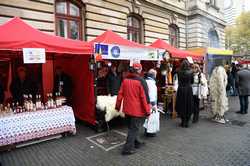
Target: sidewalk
204,144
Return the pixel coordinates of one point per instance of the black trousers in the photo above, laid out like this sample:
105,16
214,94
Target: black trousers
185,121
244,104
196,108
134,125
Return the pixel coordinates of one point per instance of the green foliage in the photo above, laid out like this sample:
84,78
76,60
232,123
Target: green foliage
238,35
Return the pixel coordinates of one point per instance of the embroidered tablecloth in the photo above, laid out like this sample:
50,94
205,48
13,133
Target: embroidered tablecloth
31,125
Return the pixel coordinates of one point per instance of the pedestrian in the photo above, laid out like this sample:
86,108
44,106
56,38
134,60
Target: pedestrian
242,82
113,81
152,91
200,90
133,94
234,71
230,80
218,83
184,98
22,85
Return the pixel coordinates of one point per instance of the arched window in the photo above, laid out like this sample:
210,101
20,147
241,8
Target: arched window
69,19
135,28
213,39
174,35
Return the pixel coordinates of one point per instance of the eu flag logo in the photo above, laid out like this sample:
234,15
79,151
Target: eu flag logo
101,49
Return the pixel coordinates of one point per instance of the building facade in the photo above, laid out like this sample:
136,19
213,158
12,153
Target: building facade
233,9
182,23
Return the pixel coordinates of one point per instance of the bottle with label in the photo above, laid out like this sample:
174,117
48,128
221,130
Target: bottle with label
38,102
58,103
17,108
31,103
13,108
25,102
50,101
1,107
9,109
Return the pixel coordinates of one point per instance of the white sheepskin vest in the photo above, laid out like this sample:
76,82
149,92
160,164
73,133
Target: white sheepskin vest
218,83
107,104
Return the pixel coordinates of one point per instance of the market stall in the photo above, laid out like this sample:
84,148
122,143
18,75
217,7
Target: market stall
113,50
213,57
168,89
110,48
40,54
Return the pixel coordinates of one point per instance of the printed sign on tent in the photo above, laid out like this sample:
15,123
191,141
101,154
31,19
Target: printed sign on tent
34,55
190,60
111,51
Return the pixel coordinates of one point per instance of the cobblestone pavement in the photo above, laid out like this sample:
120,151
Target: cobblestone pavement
204,144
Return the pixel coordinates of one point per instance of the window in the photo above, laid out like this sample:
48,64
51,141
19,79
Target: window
69,19
135,28
213,2
213,39
174,35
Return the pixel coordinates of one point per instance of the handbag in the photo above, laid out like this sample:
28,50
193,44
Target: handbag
152,123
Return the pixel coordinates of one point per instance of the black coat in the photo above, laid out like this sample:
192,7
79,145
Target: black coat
184,98
243,82
19,88
1,94
66,87
113,83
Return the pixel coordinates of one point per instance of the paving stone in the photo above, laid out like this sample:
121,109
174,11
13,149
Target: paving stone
203,144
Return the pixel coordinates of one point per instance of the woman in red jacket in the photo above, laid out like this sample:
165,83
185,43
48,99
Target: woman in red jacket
134,96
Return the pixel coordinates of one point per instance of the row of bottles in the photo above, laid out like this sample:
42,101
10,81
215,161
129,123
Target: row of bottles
54,102
29,105
5,109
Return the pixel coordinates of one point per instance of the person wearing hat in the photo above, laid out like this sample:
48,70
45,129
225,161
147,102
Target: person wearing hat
22,85
133,95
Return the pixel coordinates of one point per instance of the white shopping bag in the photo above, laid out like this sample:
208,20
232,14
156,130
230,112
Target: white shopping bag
152,123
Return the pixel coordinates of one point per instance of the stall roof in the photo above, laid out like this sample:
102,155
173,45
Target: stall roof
109,37
213,51
176,53
16,34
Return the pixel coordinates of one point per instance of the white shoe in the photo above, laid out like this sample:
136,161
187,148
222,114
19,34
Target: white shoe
221,121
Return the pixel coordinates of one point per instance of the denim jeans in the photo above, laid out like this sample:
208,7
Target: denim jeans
243,104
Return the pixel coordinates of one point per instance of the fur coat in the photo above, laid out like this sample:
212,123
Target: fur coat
218,83
107,104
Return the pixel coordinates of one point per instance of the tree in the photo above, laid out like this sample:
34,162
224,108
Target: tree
238,35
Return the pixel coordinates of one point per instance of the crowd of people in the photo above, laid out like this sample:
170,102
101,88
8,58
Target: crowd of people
139,96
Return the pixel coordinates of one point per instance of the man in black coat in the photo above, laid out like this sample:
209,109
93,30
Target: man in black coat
113,81
63,84
242,82
22,85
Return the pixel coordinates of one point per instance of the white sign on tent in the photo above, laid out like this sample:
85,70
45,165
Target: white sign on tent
112,52
33,55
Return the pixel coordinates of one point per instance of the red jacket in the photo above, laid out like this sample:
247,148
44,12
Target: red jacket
132,93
